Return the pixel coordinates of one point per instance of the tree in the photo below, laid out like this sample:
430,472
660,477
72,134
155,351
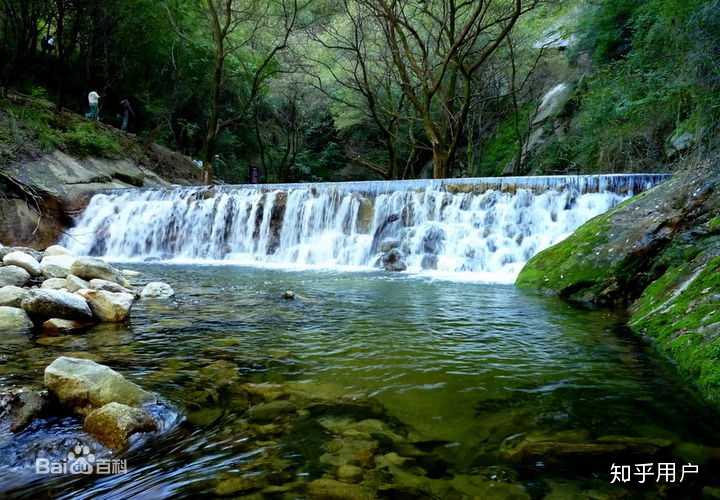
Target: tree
436,48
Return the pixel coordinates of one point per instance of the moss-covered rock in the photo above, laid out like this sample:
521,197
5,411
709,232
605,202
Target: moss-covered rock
659,254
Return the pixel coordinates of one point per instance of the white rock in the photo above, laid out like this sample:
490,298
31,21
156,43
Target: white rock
54,250
109,286
129,273
108,307
57,266
74,283
45,303
88,268
13,276
13,319
12,296
157,290
54,283
23,260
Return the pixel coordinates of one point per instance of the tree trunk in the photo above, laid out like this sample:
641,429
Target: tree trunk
440,161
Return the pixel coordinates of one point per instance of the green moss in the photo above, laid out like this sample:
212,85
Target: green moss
567,264
714,224
681,312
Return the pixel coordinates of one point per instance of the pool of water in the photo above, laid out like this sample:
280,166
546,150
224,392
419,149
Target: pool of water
458,381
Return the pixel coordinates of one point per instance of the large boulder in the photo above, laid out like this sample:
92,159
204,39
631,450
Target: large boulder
13,276
30,251
57,266
108,307
83,385
23,260
157,290
88,268
114,423
45,304
13,319
12,296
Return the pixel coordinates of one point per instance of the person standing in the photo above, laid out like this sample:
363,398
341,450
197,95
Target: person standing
126,112
93,101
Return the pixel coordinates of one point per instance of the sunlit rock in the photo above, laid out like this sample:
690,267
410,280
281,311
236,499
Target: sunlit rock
46,303
13,276
24,261
12,296
157,290
114,423
108,307
13,319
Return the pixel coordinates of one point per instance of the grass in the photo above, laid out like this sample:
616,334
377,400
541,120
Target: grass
31,124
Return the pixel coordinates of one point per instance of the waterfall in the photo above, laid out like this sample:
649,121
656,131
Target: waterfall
484,228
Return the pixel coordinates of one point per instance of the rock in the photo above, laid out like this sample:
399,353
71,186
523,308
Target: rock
88,269
13,319
129,273
23,406
54,283
46,304
114,423
57,266
83,385
109,286
74,283
349,473
329,489
433,240
429,261
267,412
236,485
553,102
389,243
679,142
30,251
108,307
157,290
55,250
24,261
57,326
394,261
288,295
12,296
341,451
13,276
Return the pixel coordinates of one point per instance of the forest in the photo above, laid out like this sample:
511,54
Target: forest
312,90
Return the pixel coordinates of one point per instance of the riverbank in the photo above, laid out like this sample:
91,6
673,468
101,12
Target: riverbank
52,163
658,254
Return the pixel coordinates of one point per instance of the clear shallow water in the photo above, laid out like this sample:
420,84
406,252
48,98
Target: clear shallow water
458,368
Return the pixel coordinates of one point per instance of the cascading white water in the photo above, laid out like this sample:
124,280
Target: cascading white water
475,228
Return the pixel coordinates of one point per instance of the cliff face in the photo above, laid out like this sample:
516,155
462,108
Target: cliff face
659,255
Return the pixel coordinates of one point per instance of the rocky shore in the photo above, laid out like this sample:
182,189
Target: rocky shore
658,255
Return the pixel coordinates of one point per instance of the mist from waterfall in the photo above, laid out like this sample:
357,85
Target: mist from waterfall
476,229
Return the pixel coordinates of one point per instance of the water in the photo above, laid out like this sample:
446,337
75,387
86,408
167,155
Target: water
460,370
483,229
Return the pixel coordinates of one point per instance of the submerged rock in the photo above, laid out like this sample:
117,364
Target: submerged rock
330,489
23,406
57,326
109,286
108,307
13,276
12,296
46,304
83,385
114,423
13,319
24,261
267,412
157,290
288,295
